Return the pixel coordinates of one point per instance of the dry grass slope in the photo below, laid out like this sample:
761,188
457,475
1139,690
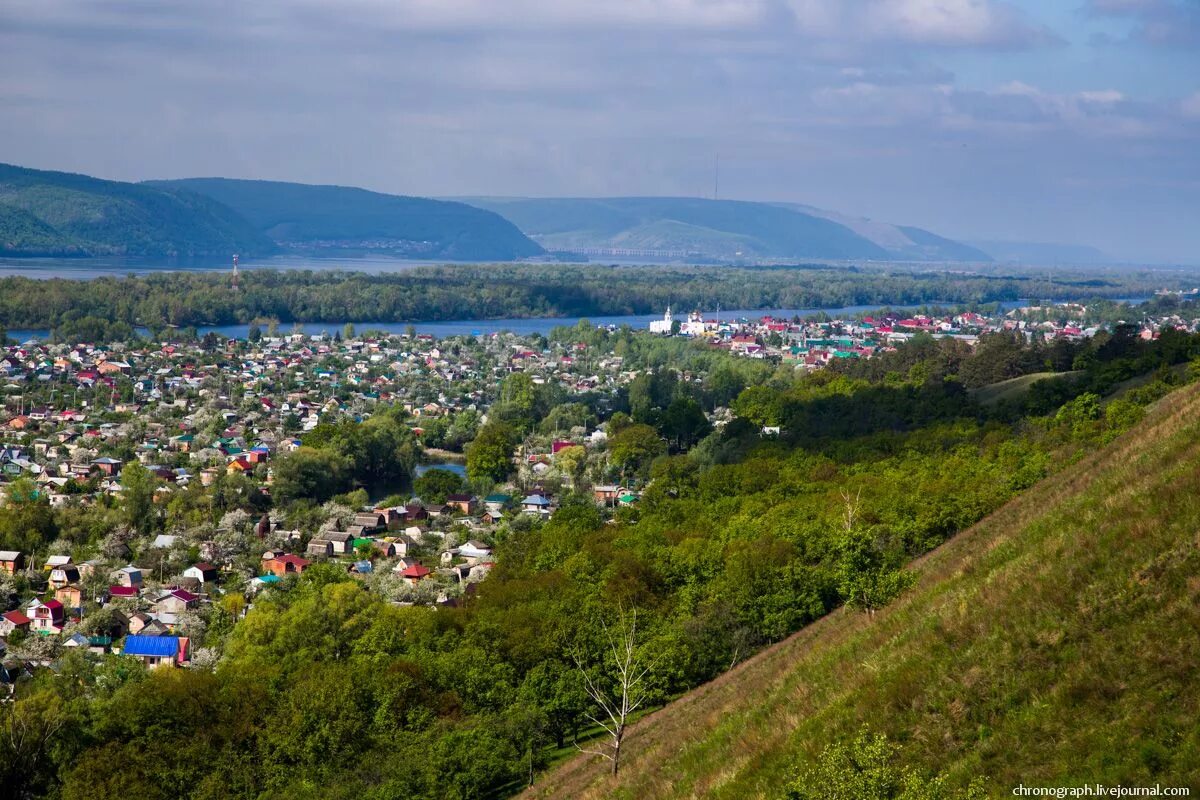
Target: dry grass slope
1056,642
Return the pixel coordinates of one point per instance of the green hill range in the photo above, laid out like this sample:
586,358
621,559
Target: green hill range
1054,644
62,214
315,218
721,229
46,213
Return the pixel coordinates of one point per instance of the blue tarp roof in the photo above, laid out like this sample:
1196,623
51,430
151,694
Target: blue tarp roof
160,646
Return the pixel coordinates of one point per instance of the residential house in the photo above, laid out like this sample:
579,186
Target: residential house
463,503
606,494
55,561
176,601
284,564
536,504
343,541
11,561
47,617
402,545
319,547
109,466
139,621
203,572
13,621
415,574
129,576
157,651
474,549
496,502
70,596
64,575
371,522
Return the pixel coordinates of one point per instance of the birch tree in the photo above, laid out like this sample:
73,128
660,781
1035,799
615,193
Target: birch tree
620,690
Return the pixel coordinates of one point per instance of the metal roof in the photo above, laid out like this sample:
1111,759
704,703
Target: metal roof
160,646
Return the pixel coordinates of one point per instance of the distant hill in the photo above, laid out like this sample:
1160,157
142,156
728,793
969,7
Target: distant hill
308,217
673,227
1043,253
904,242
1052,644
63,214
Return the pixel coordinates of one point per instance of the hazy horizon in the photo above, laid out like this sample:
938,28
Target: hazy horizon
977,119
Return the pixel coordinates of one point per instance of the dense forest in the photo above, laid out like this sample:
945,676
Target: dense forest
88,309
305,217
57,213
327,690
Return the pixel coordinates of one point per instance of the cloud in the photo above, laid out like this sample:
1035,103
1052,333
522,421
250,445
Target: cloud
925,23
962,23
842,103
1165,23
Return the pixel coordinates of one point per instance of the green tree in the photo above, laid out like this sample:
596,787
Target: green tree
571,461
26,520
137,497
434,485
489,456
634,447
683,423
310,474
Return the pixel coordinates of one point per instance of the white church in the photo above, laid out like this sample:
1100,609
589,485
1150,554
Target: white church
663,325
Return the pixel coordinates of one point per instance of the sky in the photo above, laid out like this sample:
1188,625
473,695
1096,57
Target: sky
1074,121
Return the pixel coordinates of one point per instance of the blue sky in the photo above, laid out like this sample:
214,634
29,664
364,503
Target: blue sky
1063,120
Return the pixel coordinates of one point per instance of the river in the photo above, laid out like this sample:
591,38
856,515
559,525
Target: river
524,326
89,268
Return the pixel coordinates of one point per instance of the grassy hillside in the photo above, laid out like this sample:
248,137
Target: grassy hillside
715,228
58,213
338,217
718,228
1011,389
1054,643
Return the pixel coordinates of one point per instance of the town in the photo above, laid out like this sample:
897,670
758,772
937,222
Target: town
185,455
812,343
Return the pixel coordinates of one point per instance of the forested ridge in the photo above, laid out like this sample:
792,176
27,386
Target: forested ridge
309,217
327,690
46,213
509,290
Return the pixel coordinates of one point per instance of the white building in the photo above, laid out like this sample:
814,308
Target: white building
663,325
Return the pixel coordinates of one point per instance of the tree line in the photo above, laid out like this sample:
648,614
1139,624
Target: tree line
111,307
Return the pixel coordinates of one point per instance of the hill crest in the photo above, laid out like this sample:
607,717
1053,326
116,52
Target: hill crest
731,230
